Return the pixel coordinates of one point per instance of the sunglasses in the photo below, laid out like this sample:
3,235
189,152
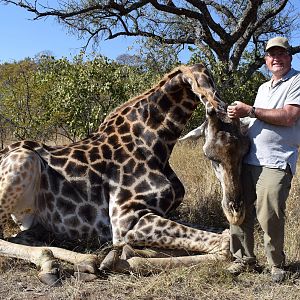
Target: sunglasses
277,54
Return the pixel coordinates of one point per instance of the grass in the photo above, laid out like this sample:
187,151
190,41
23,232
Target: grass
206,281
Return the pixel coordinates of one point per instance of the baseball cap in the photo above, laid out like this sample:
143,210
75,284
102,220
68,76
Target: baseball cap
278,42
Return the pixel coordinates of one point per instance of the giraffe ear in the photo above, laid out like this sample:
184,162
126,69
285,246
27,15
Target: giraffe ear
203,100
196,133
244,123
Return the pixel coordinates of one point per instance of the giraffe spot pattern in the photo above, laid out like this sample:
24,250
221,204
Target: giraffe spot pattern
65,206
74,169
87,213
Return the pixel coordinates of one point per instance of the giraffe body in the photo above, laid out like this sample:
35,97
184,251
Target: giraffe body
116,184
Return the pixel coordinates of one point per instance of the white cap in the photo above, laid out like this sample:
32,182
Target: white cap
278,42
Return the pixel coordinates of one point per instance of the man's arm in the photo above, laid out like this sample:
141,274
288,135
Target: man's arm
286,116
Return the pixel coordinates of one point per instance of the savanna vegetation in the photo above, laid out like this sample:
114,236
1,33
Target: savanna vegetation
44,98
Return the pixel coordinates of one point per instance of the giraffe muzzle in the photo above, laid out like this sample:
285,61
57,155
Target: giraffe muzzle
235,214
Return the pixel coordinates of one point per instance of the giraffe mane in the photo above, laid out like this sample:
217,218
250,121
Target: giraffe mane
183,69
134,99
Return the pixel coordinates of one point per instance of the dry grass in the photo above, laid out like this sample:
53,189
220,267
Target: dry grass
203,192
207,281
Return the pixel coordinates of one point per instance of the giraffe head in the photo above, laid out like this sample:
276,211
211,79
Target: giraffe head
203,86
225,146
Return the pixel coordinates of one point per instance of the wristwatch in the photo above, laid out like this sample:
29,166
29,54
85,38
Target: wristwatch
251,113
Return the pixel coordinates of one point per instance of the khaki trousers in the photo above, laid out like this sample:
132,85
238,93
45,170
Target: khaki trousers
265,191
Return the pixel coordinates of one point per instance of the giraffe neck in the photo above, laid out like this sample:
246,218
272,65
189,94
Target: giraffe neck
161,113
150,124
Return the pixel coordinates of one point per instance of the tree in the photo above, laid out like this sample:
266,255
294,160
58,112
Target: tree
43,98
226,31
21,110
82,92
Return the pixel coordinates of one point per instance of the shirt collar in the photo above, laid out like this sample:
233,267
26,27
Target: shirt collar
286,77
289,74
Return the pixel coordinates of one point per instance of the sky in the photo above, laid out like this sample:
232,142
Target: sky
22,37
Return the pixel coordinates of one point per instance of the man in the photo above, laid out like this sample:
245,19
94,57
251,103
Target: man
270,164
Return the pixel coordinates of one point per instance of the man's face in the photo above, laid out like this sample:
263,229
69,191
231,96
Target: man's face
278,61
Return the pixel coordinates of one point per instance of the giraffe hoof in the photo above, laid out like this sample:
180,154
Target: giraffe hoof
87,266
86,277
50,278
109,262
127,252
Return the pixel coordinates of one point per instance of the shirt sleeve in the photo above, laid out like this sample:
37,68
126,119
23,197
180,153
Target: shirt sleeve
293,96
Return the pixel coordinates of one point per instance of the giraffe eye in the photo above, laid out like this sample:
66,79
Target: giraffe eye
216,161
212,158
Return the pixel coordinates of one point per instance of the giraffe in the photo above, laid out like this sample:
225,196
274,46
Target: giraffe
116,185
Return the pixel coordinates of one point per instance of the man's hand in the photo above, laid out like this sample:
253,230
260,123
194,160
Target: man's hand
238,109
286,116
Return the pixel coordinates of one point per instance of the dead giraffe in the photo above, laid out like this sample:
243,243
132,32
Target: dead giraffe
115,185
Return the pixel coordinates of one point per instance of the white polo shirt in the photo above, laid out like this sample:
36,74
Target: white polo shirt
271,145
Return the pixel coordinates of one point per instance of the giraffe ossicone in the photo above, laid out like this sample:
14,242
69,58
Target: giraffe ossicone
116,185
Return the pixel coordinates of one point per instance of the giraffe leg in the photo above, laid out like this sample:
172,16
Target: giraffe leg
158,232
20,172
154,263
41,257
155,231
129,252
85,265
46,259
142,265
